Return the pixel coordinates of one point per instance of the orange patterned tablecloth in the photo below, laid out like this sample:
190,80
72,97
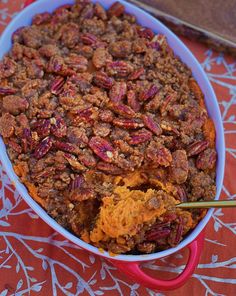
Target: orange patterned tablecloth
36,260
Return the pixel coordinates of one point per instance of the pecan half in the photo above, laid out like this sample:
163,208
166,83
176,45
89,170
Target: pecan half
43,148
181,193
64,146
197,147
119,68
136,74
61,13
154,45
55,64
132,100
127,123
176,235
122,109
15,104
7,68
87,12
140,137
158,231
100,12
166,127
89,39
146,33
206,159
41,18
17,35
148,93
77,62
58,127
117,9
74,163
118,92
16,147
42,127
85,114
158,155
167,101
109,168
146,247
101,79
120,49
57,85
152,125
81,194
102,148
28,140
7,91
76,183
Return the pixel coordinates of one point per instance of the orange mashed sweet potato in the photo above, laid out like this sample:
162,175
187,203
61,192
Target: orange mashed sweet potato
123,212
22,170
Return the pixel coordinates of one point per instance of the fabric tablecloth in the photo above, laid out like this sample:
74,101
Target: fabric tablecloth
34,260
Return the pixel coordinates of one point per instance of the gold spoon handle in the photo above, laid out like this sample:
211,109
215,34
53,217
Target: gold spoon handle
207,204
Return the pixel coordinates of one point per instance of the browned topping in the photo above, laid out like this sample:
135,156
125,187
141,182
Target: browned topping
179,167
7,125
206,159
116,9
106,127
14,104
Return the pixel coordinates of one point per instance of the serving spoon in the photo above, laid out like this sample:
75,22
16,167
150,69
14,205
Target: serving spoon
207,204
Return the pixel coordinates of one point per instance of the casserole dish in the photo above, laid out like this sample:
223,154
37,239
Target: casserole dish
129,264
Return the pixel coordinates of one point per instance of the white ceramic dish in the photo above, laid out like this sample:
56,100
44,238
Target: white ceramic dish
23,19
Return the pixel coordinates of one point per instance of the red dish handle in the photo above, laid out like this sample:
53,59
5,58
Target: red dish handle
28,2
134,271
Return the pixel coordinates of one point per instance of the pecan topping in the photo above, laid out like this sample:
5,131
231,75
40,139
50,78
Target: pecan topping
107,127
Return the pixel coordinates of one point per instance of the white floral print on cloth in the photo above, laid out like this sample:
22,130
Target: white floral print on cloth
34,260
